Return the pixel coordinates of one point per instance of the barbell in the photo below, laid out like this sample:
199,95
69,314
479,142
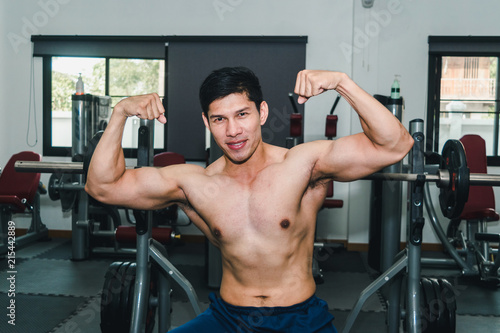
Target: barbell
453,177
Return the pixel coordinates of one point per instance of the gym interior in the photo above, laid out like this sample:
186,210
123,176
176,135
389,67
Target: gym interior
70,264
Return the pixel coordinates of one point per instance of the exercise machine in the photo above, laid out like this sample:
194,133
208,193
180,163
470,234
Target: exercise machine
96,228
417,291
385,210
133,291
20,193
469,250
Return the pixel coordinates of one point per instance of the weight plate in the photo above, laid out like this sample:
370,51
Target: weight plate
428,318
127,296
112,320
450,299
439,308
453,197
402,301
153,290
109,297
68,197
118,298
54,180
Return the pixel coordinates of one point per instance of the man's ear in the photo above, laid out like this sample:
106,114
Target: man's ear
205,120
264,112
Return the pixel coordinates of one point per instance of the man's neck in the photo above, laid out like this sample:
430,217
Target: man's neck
249,169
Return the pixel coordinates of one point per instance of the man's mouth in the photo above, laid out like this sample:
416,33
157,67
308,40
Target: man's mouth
236,145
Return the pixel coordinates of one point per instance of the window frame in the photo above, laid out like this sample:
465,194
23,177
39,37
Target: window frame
51,150
457,46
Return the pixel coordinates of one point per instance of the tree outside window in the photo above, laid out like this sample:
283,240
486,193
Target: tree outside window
127,77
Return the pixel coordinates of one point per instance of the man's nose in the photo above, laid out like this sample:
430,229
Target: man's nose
233,128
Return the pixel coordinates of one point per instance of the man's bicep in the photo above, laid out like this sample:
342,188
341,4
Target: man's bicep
147,188
350,158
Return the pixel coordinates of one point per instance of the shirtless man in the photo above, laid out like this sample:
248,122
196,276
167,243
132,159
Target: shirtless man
257,203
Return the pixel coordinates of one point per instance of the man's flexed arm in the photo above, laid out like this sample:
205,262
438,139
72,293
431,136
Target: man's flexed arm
384,140
107,179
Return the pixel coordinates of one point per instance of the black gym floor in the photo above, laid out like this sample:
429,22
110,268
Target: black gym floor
55,294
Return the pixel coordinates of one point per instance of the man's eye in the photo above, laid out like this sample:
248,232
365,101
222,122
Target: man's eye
242,114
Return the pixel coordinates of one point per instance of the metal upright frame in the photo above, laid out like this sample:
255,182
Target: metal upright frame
149,250
410,257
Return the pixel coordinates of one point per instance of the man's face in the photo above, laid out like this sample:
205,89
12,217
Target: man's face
235,124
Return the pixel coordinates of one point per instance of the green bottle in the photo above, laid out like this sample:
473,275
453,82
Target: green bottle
395,92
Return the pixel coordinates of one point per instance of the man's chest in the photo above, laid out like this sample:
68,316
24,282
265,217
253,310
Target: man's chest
266,207
258,202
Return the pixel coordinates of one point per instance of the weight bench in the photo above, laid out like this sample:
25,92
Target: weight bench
20,193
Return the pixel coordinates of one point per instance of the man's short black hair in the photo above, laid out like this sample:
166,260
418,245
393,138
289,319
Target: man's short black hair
229,80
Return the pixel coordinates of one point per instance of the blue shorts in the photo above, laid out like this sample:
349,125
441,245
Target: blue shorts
221,317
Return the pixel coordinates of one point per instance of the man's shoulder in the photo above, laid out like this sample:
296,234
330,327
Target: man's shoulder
184,169
308,149
216,167
276,150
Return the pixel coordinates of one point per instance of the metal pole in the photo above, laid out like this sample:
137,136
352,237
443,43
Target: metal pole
391,218
49,167
79,225
477,179
481,179
142,283
385,277
467,270
405,177
391,229
164,306
415,225
143,271
82,107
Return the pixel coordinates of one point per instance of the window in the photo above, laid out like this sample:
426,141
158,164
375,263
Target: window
464,92
65,72
117,78
114,66
468,99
